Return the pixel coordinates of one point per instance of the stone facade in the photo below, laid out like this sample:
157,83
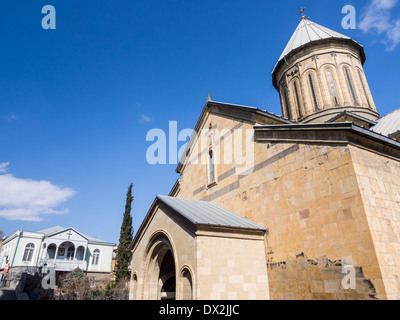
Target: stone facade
378,179
208,262
318,201
325,186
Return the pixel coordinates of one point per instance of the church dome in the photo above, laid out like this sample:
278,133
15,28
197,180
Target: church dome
320,74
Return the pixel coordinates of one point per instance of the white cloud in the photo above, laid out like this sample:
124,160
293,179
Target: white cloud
376,18
384,4
146,118
4,167
26,199
394,36
11,117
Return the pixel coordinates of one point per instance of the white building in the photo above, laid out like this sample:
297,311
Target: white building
61,248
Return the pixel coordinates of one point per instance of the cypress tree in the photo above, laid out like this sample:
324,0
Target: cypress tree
124,253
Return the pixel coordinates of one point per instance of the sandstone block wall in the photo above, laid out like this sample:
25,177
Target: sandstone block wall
231,268
300,278
378,179
223,264
332,200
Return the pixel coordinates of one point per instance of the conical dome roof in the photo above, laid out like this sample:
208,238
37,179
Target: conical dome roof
307,32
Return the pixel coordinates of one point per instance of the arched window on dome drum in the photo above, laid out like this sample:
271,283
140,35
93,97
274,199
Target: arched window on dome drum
328,72
297,99
362,84
350,85
313,91
287,105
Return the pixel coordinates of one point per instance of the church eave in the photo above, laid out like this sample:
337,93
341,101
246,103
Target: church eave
334,132
175,188
230,229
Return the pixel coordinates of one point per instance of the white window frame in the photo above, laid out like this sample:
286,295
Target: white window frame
28,252
98,257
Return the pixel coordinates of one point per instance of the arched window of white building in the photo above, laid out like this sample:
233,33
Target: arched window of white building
70,253
28,253
51,251
96,257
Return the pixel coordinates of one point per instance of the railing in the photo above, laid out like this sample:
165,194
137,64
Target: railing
66,265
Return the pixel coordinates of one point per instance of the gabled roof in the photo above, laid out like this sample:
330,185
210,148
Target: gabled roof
51,230
352,117
57,229
388,124
255,110
198,214
208,213
267,116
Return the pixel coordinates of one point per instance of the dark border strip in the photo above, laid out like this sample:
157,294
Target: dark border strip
199,190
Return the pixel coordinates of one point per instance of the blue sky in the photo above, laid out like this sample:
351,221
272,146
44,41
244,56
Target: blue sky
77,102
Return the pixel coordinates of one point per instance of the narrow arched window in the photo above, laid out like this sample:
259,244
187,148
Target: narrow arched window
365,91
80,252
96,257
328,72
313,91
135,287
211,166
187,285
51,251
287,105
28,253
350,85
297,99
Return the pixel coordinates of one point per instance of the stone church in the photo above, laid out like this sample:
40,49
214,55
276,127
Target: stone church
308,206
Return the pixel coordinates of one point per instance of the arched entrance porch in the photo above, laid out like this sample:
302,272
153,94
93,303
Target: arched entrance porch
160,279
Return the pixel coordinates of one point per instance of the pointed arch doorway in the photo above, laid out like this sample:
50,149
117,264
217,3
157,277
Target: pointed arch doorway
161,275
167,279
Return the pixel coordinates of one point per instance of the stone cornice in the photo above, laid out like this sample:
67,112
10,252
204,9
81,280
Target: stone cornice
333,133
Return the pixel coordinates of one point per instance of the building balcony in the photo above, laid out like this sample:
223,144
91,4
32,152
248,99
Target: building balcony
66,265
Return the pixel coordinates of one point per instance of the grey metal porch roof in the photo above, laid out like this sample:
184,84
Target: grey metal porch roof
208,213
388,124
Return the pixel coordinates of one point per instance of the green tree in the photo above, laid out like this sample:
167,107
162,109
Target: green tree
124,253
